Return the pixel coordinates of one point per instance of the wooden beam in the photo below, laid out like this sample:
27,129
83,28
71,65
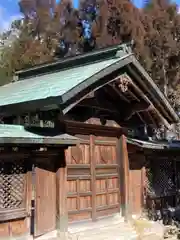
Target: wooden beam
61,182
124,175
133,107
137,89
98,107
146,89
132,95
152,119
119,93
73,127
105,97
139,115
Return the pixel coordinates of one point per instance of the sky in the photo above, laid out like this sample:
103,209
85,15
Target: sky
9,10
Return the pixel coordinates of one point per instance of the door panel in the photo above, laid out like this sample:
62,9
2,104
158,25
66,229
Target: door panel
107,179
79,199
93,179
45,200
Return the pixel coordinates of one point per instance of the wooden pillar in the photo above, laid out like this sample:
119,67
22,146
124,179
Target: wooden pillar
93,176
29,198
124,176
62,214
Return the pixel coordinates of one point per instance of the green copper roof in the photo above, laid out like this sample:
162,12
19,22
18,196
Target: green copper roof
52,84
55,84
17,134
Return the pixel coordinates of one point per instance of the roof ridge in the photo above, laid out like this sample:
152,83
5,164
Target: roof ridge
74,61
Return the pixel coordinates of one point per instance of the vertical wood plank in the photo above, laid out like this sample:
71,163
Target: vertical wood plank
124,175
93,176
45,182
61,176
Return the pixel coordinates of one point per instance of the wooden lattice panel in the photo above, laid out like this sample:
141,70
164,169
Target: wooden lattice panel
160,178
12,184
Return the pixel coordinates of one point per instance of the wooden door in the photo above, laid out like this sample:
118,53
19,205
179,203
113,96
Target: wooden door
106,177
93,180
45,198
79,198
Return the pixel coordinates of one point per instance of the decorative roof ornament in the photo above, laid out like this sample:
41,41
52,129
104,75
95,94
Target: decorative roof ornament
127,47
123,82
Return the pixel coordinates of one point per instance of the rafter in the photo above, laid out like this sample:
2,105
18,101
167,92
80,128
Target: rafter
121,95
146,99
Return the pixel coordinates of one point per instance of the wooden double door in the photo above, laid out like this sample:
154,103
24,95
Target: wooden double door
93,179
93,184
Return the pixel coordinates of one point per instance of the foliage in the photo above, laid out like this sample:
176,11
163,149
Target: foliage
162,26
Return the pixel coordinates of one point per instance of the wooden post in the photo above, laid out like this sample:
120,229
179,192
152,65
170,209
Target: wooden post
93,177
62,214
29,199
124,175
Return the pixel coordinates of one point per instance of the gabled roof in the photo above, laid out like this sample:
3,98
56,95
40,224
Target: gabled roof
63,84
58,82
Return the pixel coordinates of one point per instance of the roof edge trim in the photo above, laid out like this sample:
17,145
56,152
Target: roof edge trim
160,96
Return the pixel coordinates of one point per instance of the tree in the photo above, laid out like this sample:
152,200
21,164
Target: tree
162,25
53,30
113,22
49,30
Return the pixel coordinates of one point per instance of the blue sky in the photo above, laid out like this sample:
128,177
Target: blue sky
9,10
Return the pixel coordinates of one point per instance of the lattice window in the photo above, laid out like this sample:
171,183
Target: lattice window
12,185
160,178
